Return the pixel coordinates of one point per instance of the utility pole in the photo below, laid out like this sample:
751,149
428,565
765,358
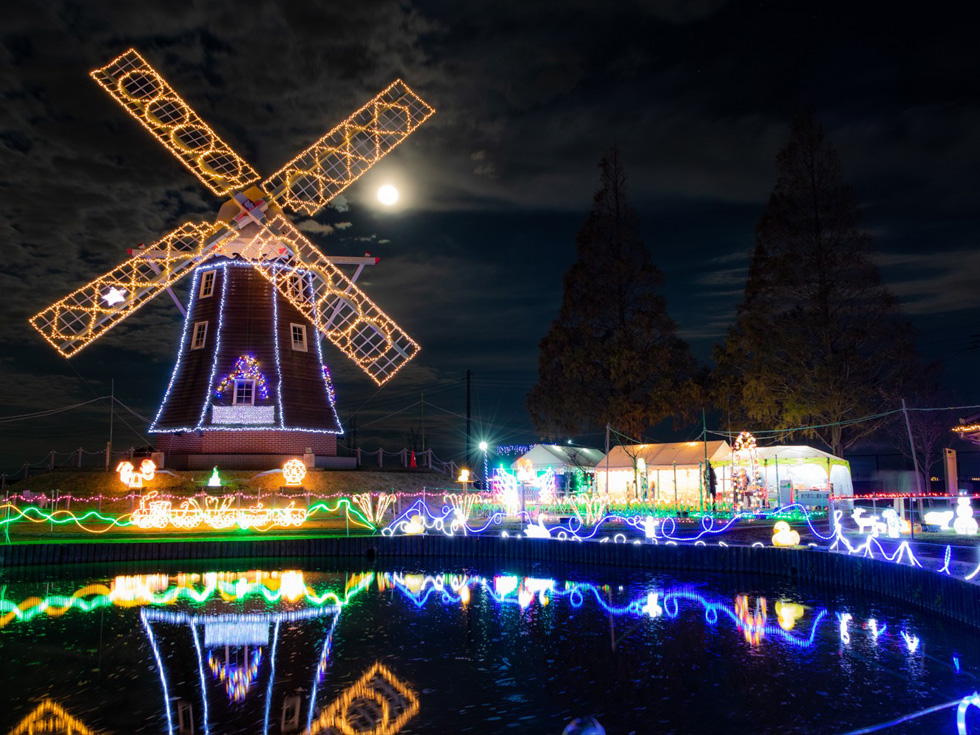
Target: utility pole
607,459
422,404
705,475
112,410
915,464
468,421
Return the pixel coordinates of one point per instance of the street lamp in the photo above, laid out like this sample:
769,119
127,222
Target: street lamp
483,448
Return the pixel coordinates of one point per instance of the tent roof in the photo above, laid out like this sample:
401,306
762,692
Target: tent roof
769,454
683,454
558,455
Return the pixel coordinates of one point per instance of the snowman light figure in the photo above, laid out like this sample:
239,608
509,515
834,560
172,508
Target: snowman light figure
965,524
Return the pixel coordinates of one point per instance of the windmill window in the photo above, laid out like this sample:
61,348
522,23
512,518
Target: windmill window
296,287
207,284
245,392
298,332
200,335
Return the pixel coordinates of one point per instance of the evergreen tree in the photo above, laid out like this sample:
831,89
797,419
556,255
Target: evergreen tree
613,354
818,340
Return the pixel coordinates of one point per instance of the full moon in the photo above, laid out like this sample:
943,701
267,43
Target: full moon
387,195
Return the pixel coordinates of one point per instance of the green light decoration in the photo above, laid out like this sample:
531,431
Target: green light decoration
129,592
88,520
215,479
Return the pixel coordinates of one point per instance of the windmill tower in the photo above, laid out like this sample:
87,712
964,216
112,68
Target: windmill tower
250,386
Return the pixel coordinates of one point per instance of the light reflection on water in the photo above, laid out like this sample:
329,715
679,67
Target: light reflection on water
471,651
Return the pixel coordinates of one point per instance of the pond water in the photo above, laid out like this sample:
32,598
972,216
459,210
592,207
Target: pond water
213,649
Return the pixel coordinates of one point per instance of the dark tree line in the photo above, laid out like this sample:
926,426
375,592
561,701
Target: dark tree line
818,340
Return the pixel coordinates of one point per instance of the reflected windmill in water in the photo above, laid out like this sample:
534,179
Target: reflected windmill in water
52,719
268,667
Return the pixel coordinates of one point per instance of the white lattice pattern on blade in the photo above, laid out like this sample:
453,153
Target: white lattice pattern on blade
86,314
138,87
334,304
334,162
377,704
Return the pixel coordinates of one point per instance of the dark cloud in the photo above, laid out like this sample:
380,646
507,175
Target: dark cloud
495,186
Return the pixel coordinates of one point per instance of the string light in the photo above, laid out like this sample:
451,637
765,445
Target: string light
293,472
49,717
379,699
144,93
246,368
132,479
156,428
215,512
74,322
334,304
318,174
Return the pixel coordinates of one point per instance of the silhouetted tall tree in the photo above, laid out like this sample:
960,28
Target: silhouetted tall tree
818,340
613,354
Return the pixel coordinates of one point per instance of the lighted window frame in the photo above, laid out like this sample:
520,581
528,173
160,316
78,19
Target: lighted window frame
297,335
200,335
244,393
207,284
296,287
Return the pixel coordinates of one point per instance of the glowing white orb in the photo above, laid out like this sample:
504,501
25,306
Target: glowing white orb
388,195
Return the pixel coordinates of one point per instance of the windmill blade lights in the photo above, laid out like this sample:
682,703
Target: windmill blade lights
89,312
340,310
133,83
314,177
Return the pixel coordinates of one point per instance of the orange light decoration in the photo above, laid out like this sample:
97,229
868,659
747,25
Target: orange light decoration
373,510
782,535
377,704
133,478
84,315
335,305
464,476
217,513
293,472
139,88
49,717
310,180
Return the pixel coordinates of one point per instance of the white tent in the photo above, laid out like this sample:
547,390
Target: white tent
560,458
802,468
668,473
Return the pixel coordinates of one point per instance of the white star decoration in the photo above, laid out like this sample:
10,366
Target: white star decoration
114,296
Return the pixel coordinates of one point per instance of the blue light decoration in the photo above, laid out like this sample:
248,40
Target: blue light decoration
236,679
206,402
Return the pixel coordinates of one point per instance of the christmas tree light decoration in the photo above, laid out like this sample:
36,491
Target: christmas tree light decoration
139,88
215,479
293,472
49,717
131,478
246,368
237,680
378,703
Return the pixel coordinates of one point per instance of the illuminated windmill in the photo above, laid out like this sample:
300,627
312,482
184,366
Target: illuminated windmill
249,376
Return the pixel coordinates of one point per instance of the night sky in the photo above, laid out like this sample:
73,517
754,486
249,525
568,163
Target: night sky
529,95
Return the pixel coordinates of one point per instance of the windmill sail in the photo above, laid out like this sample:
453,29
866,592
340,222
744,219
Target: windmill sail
318,174
86,314
340,310
145,94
